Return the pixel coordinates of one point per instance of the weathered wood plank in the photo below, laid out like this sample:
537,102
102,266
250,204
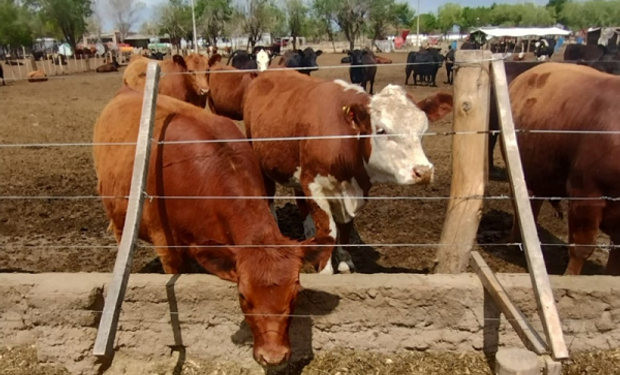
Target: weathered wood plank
469,165
117,287
533,253
530,338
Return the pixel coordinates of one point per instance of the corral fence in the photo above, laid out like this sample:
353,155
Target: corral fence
471,118
475,72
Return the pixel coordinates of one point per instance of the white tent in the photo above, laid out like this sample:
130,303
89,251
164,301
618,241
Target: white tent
516,32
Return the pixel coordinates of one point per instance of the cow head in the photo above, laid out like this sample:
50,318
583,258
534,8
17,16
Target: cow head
262,60
396,154
303,59
197,66
268,285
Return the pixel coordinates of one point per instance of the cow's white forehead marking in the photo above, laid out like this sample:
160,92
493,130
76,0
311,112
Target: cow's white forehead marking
262,60
394,156
349,86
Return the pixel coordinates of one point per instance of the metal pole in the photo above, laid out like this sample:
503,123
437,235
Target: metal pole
194,25
418,32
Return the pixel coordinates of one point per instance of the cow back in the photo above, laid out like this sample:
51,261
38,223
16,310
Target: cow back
544,98
184,169
290,104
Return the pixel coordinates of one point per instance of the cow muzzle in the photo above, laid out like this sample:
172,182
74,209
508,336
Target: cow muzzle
423,174
204,91
272,356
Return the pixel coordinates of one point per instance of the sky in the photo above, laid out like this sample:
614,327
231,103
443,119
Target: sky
426,6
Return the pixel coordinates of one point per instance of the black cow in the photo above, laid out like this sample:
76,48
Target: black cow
157,56
59,59
544,47
363,74
449,65
2,76
426,63
302,61
595,56
242,60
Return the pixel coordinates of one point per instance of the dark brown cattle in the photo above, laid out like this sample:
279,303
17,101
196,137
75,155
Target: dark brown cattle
187,81
227,90
2,76
107,68
571,164
336,174
207,230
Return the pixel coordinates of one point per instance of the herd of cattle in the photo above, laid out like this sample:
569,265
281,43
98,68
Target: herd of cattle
238,239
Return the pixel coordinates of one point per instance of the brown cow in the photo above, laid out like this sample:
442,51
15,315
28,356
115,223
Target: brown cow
37,76
572,165
266,269
187,80
336,174
382,60
108,68
227,90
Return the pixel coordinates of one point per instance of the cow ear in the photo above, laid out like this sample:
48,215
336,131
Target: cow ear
317,251
319,53
349,52
436,106
358,113
179,60
218,261
215,59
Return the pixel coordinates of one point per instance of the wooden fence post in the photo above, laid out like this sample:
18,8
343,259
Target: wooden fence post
469,160
116,288
531,244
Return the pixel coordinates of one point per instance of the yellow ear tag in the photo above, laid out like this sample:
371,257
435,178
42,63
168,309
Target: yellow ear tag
347,111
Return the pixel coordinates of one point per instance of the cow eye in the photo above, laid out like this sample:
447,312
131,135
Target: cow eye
242,297
380,131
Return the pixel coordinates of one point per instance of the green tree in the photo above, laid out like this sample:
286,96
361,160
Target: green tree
213,16
175,20
68,16
351,15
297,16
125,14
15,26
324,14
557,6
428,23
449,15
259,16
474,17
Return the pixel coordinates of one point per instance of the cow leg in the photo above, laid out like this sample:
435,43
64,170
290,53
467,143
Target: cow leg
407,75
613,262
372,87
304,212
583,224
270,190
320,209
515,232
345,262
173,260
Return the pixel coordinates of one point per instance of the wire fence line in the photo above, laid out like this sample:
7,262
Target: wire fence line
308,138
237,246
219,314
292,197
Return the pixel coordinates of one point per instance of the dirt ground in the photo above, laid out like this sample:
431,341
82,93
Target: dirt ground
69,235
23,361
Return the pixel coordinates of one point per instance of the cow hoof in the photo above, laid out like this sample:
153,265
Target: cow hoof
344,268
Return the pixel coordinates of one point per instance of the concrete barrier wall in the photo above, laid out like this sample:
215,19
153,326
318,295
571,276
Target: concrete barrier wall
384,313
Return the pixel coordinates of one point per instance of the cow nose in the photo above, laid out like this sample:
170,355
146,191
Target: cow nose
272,356
204,91
423,174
